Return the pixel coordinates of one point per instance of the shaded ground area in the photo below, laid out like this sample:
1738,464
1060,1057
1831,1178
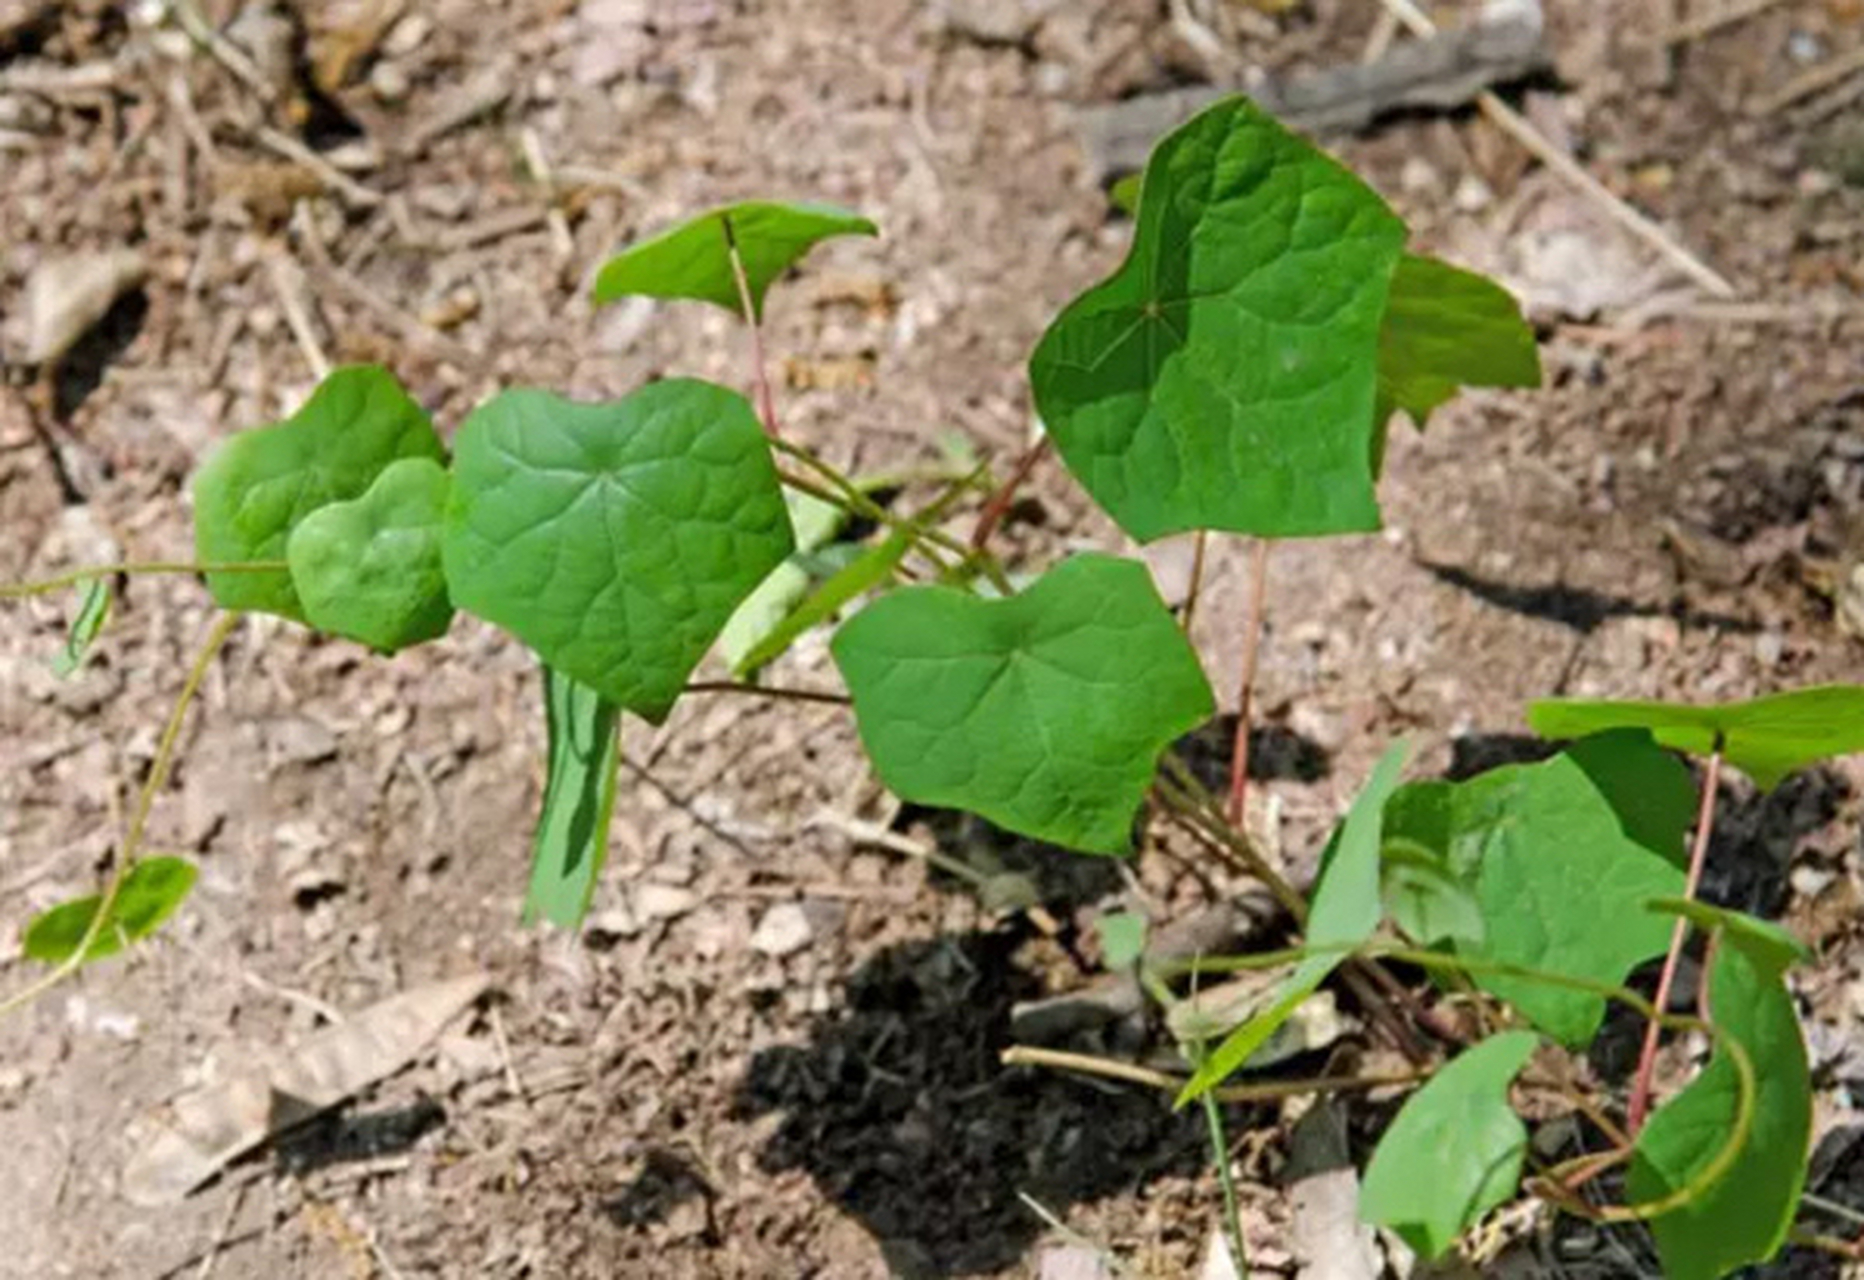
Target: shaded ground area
676,1094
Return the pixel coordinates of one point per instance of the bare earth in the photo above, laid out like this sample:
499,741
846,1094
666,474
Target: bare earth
681,1092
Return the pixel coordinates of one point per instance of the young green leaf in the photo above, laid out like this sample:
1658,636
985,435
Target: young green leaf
256,487
1560,858
1122,939
614,539
693,260
148,895
816,523
1124,194
1766,738
1044,712
1446,328
1455,1150
1344,914
86,625
1743,1215
1224,376
1765,940
869,569
579,799
369,569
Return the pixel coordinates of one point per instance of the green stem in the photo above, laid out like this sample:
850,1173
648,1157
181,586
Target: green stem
76,577
139,819
760,372
1220,1152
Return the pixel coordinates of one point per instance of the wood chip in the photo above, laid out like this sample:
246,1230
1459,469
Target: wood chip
65,296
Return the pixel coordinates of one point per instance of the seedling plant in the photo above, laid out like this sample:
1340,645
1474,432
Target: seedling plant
1237,374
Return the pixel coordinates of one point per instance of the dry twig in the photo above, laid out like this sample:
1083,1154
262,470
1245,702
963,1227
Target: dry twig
1516,126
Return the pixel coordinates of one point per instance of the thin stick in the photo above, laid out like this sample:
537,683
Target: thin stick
76,577
1709,23
352,191
1245,700
288,284
768,691
1516,126
760,374
1029,1055
1821,77
999,505
139,819
1698,853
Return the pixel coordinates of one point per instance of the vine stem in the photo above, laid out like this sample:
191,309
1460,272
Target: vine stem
23,590
1029,1055
768,691
999,504
1245,701
1639,1105
152,786
760,372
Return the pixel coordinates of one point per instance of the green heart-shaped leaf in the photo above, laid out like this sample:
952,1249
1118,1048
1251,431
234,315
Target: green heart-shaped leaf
1224,376
1044,712
369,569
1455,1150
1446,328
1559,859
693,260
1743,1215
257,486
614,539
1766,738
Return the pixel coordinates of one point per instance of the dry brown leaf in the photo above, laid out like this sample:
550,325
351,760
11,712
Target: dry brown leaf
201,1131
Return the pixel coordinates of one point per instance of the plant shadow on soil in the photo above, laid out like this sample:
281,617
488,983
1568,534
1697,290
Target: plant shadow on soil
899,1107
903,1115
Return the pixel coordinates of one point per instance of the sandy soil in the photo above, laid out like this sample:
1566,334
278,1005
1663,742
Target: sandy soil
665,1095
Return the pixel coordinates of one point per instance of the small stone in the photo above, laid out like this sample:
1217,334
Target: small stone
1472,195
654,902
1809,881
1072,1262
604,927
298,740
784,930
65,296
1770,648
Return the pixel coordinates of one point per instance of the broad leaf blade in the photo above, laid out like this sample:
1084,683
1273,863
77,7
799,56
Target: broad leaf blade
369,569
86,625
614,539
1455,1150
1344,914
579,799
1561,857
1224,376
1446,328
1044,712
693,260
1766,738
1744,1215
259,484
148,895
